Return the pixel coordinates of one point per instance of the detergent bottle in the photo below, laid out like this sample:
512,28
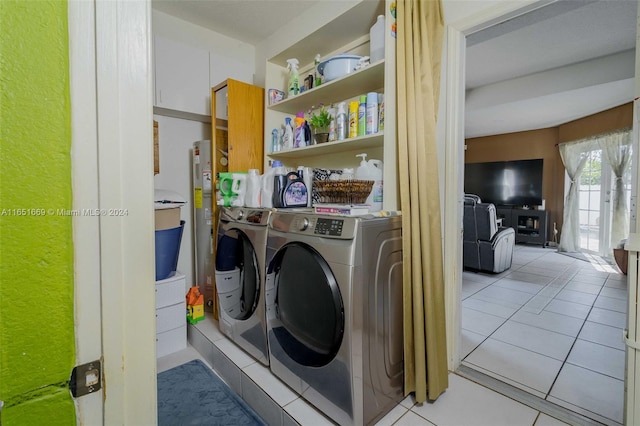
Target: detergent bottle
294,77
294,191
372,170
266,197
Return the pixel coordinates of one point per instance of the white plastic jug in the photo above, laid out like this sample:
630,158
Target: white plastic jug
372,170
252,198
266,197
239,189
376,40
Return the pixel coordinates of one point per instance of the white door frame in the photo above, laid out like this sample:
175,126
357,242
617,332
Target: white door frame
86,230
112,170
456,33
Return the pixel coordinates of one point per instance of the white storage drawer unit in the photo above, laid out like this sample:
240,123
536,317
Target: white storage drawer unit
171,315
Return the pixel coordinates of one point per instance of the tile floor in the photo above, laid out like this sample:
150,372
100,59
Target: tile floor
464,402
552,326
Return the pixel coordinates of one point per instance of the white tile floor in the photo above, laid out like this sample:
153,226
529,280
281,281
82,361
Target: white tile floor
526,327
552,326
464,402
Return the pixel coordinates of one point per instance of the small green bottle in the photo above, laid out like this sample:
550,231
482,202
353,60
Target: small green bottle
362,116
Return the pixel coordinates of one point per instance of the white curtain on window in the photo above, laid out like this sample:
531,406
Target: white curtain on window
574,156
616,150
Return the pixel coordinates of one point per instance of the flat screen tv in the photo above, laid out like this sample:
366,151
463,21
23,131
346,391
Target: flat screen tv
507,183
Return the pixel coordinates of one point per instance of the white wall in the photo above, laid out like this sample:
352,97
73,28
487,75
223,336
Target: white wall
230,58
176,138
235,56
315,17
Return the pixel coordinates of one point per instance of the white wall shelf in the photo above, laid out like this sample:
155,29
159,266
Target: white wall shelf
368,79
362,142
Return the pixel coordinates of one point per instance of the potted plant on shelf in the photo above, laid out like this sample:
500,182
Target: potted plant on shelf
320,122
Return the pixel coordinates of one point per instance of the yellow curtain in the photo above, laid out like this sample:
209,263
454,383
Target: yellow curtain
420,29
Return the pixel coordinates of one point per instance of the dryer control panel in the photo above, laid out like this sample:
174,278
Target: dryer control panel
343,228
331,227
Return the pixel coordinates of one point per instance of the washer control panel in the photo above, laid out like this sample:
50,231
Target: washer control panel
343,228
331,227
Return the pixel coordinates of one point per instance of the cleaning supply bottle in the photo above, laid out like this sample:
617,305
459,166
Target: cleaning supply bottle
279,184
380,112
318,79
376,40
332,124
287,139
362,116
372,170
307,133
294,191
298,138
266,196
372,113
353,119
294,77
252,197
341,122
275,141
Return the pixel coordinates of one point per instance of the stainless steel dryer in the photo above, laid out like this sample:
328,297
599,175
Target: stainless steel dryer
334,312
240,270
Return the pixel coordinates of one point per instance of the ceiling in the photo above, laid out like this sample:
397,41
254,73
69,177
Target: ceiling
564,61
250,21
567,60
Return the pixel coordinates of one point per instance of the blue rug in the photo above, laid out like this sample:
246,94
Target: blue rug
191,394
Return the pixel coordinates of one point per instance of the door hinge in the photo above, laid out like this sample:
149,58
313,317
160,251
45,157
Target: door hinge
86,378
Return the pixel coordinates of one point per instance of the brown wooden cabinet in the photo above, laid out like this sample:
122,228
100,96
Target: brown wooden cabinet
240,135
237,128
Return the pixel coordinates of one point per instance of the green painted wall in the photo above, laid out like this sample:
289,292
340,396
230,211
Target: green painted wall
37,348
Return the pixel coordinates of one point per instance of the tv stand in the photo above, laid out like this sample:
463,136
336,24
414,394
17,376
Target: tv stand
530,225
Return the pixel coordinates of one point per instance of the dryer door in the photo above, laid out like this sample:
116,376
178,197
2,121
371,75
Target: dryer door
309,312
237,274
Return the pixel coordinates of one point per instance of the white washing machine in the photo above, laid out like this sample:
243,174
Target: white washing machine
240,270
334,312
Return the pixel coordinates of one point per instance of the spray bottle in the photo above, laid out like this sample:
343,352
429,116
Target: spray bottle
287,139
275,141
294,77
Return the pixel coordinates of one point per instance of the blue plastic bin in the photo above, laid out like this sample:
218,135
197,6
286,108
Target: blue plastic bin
167,251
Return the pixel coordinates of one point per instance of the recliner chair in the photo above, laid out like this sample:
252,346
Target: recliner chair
486,246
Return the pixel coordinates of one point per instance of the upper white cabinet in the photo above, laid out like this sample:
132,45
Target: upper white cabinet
347,33
181,77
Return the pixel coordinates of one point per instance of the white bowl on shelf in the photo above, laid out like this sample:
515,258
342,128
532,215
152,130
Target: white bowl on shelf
338,66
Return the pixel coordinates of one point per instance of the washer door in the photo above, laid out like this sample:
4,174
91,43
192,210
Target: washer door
237,274
309,311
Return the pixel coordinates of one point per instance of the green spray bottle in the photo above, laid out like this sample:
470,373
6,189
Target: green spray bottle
294,77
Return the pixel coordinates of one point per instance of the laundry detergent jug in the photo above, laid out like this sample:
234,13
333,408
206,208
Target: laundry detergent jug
232,187
372,170
289,191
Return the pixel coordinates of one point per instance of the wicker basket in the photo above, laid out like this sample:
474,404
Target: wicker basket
342,191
